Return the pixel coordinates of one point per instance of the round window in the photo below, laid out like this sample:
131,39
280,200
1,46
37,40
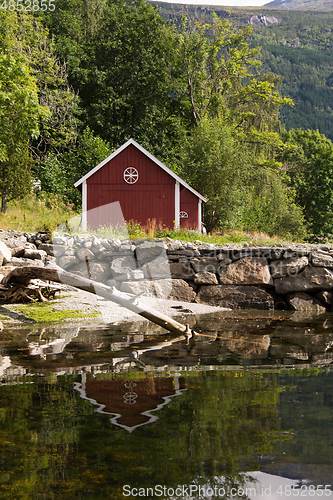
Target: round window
131,175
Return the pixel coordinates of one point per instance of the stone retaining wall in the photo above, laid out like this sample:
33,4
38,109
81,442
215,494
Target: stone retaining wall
296,277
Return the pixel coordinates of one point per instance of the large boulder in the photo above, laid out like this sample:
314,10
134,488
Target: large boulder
143,287
181,270
84,254
122,267
157,268
205,278
182,291
149,250
288,267
322,259
311,279
300,301
232,296
67,261
162,289
247,271
96,271
35,254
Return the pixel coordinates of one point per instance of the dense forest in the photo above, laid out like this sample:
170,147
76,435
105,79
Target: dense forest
204,93
297,46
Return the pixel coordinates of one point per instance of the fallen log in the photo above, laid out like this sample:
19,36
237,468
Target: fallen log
23,275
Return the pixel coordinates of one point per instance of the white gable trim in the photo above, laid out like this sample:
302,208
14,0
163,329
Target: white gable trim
150,156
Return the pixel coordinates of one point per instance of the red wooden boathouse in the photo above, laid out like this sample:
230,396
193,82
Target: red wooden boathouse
144,187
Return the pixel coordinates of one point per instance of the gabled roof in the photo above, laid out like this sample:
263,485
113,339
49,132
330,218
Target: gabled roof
150,156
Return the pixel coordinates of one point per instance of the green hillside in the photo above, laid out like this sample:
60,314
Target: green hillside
313,5
299,48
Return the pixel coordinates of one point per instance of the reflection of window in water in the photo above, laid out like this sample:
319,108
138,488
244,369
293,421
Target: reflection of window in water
132,408
130,396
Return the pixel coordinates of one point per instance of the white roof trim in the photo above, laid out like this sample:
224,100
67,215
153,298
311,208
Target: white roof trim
150,156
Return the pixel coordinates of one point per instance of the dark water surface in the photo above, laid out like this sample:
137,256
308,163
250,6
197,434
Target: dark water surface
244,410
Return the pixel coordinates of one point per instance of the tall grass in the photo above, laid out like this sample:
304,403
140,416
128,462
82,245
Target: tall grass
45,212
153,230
41,212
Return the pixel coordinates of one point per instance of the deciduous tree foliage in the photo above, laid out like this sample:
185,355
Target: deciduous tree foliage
215,71
115,69
211,163
115,58
58,172
241,191
309,163
20,110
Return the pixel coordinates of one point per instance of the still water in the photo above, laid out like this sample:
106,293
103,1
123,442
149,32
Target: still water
244,410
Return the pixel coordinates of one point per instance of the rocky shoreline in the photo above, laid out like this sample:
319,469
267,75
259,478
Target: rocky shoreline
292,277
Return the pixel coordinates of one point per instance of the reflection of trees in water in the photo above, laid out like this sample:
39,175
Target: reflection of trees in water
37,435
54,444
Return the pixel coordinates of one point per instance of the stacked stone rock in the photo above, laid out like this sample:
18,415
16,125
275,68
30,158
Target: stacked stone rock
297,277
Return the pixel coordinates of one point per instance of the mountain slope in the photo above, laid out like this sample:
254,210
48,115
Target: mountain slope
309,5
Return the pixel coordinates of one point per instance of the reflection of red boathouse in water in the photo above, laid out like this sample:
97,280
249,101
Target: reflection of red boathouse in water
130,401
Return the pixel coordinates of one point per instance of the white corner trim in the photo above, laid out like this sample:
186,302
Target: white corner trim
177,205
200,216
84,206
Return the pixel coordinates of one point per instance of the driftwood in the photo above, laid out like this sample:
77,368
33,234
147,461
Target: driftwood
35,290
22,276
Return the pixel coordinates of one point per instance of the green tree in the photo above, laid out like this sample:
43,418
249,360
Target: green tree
214,70
115,59
58,172
309,164
211,162
20,111
241,190
59,129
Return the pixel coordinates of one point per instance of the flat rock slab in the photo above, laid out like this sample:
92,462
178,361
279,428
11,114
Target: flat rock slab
232,296
114,313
